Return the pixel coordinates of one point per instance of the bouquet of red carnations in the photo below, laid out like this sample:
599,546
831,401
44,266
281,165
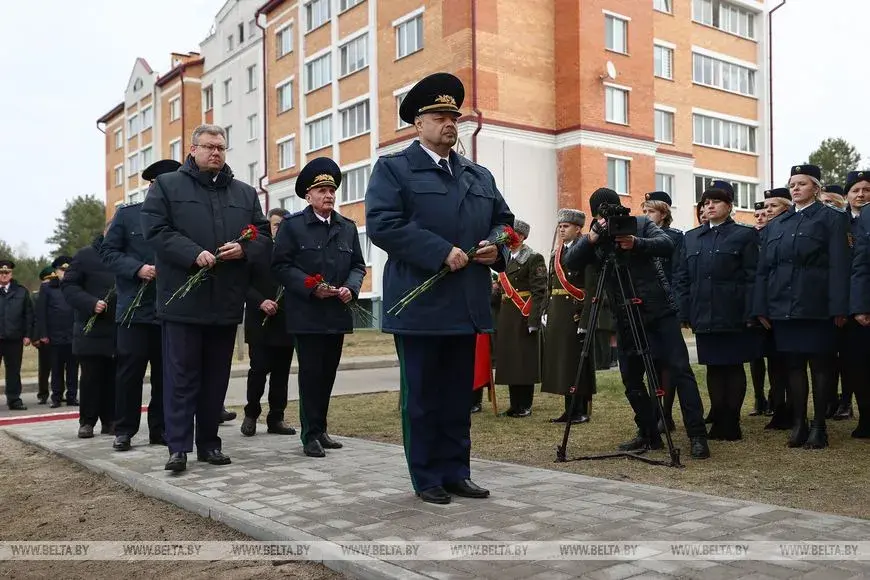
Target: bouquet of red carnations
249,232
312,282
506,237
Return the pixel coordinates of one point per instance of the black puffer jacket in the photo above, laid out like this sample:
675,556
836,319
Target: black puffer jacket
185,213
87,281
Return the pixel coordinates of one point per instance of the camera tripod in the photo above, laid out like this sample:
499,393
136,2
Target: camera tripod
631,305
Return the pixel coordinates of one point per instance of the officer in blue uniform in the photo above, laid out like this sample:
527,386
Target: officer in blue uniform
802,293
54,327
713,282
425,206
127,255
45,275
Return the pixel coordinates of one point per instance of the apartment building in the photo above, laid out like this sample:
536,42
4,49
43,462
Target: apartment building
152,122
232,84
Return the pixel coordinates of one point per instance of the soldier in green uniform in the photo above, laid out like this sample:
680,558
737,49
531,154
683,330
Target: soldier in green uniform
563,321
524,292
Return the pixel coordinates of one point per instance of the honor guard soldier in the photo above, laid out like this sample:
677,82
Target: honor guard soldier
89,287
318,241
565,328
187,215
523,294
760,215
858,195
802,292
55,319
16,328
270,346
139,342
45,275
425,206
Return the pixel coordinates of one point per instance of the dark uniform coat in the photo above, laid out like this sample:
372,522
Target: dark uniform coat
263,286
563,343
87,281
668,262
16,313
54,317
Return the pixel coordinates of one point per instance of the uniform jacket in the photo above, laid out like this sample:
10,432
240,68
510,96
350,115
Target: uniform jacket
86,281
651,242
306,246
860,282
54,317
417,212
714,277
668,263
804,265
263,286
124,252
185,213
16,313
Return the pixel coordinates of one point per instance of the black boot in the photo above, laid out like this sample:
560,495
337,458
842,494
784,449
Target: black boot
844,411
799,434
644,417
818,437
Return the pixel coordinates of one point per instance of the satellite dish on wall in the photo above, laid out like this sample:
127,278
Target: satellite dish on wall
611,70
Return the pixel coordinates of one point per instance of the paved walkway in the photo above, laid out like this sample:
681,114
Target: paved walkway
273,492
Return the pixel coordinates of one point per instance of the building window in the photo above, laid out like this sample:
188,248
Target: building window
207,98
409,37
730,135
354,184
663,62
284,41
616,34
147,157
354,55
319,133
292,203
253,173
286,154
119,175
175,150
726,76
664,126
132,126
119,138
252,78
229,130
400,123
231,44
132,164
252,29
365,244
147,117
355,120
285,97
241,33
617,174
616,105
253,127
725,16
347,4
175,109
745,194
662,6
228,91
665,182
137,196
318,73
316,14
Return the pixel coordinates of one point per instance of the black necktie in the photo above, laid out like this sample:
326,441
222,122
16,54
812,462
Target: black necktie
4,290
446,166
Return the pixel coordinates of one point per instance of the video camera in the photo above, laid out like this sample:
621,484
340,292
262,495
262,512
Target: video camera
619,221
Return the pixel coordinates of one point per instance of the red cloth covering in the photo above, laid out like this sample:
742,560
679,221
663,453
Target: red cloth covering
482,362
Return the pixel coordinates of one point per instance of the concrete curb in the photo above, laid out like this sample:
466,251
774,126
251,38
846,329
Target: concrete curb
257,527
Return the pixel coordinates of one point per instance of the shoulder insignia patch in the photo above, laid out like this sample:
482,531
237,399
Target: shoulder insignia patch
541,270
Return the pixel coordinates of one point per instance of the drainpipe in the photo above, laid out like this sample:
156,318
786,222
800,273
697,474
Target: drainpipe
265,113
770,79
474,81
181,104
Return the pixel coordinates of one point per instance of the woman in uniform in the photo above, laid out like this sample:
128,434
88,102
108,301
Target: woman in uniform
714,283
802,293
858,195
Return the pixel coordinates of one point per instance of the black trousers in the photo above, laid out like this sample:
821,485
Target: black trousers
64,373
11,351
97,391
318,355
138,346
197,360
758,369
521,396
44,371
275,362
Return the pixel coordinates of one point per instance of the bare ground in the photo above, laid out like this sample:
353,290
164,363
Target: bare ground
46,497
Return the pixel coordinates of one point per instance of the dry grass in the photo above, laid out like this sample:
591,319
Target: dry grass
759,468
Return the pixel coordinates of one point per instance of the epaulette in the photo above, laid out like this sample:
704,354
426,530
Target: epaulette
675,230
294,214
695,228
392,155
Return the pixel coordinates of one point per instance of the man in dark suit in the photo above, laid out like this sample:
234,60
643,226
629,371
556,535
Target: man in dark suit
16,328
192,218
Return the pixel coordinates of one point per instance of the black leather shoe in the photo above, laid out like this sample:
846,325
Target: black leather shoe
523,413
41,400
156,439
700,449
213,457
328,442
798,435
281,428
86,431
122,443
314,449
434,495
818,438
843,412
639,443
17,406
475,409
249,427
466,488
227,416
580,419
177,462
560,419
54,405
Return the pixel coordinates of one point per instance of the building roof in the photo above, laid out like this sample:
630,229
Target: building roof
116,110
175,72
269,6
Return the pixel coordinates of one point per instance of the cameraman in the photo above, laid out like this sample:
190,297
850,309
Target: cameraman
636,253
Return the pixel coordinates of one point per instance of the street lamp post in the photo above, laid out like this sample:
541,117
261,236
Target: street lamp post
770,79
